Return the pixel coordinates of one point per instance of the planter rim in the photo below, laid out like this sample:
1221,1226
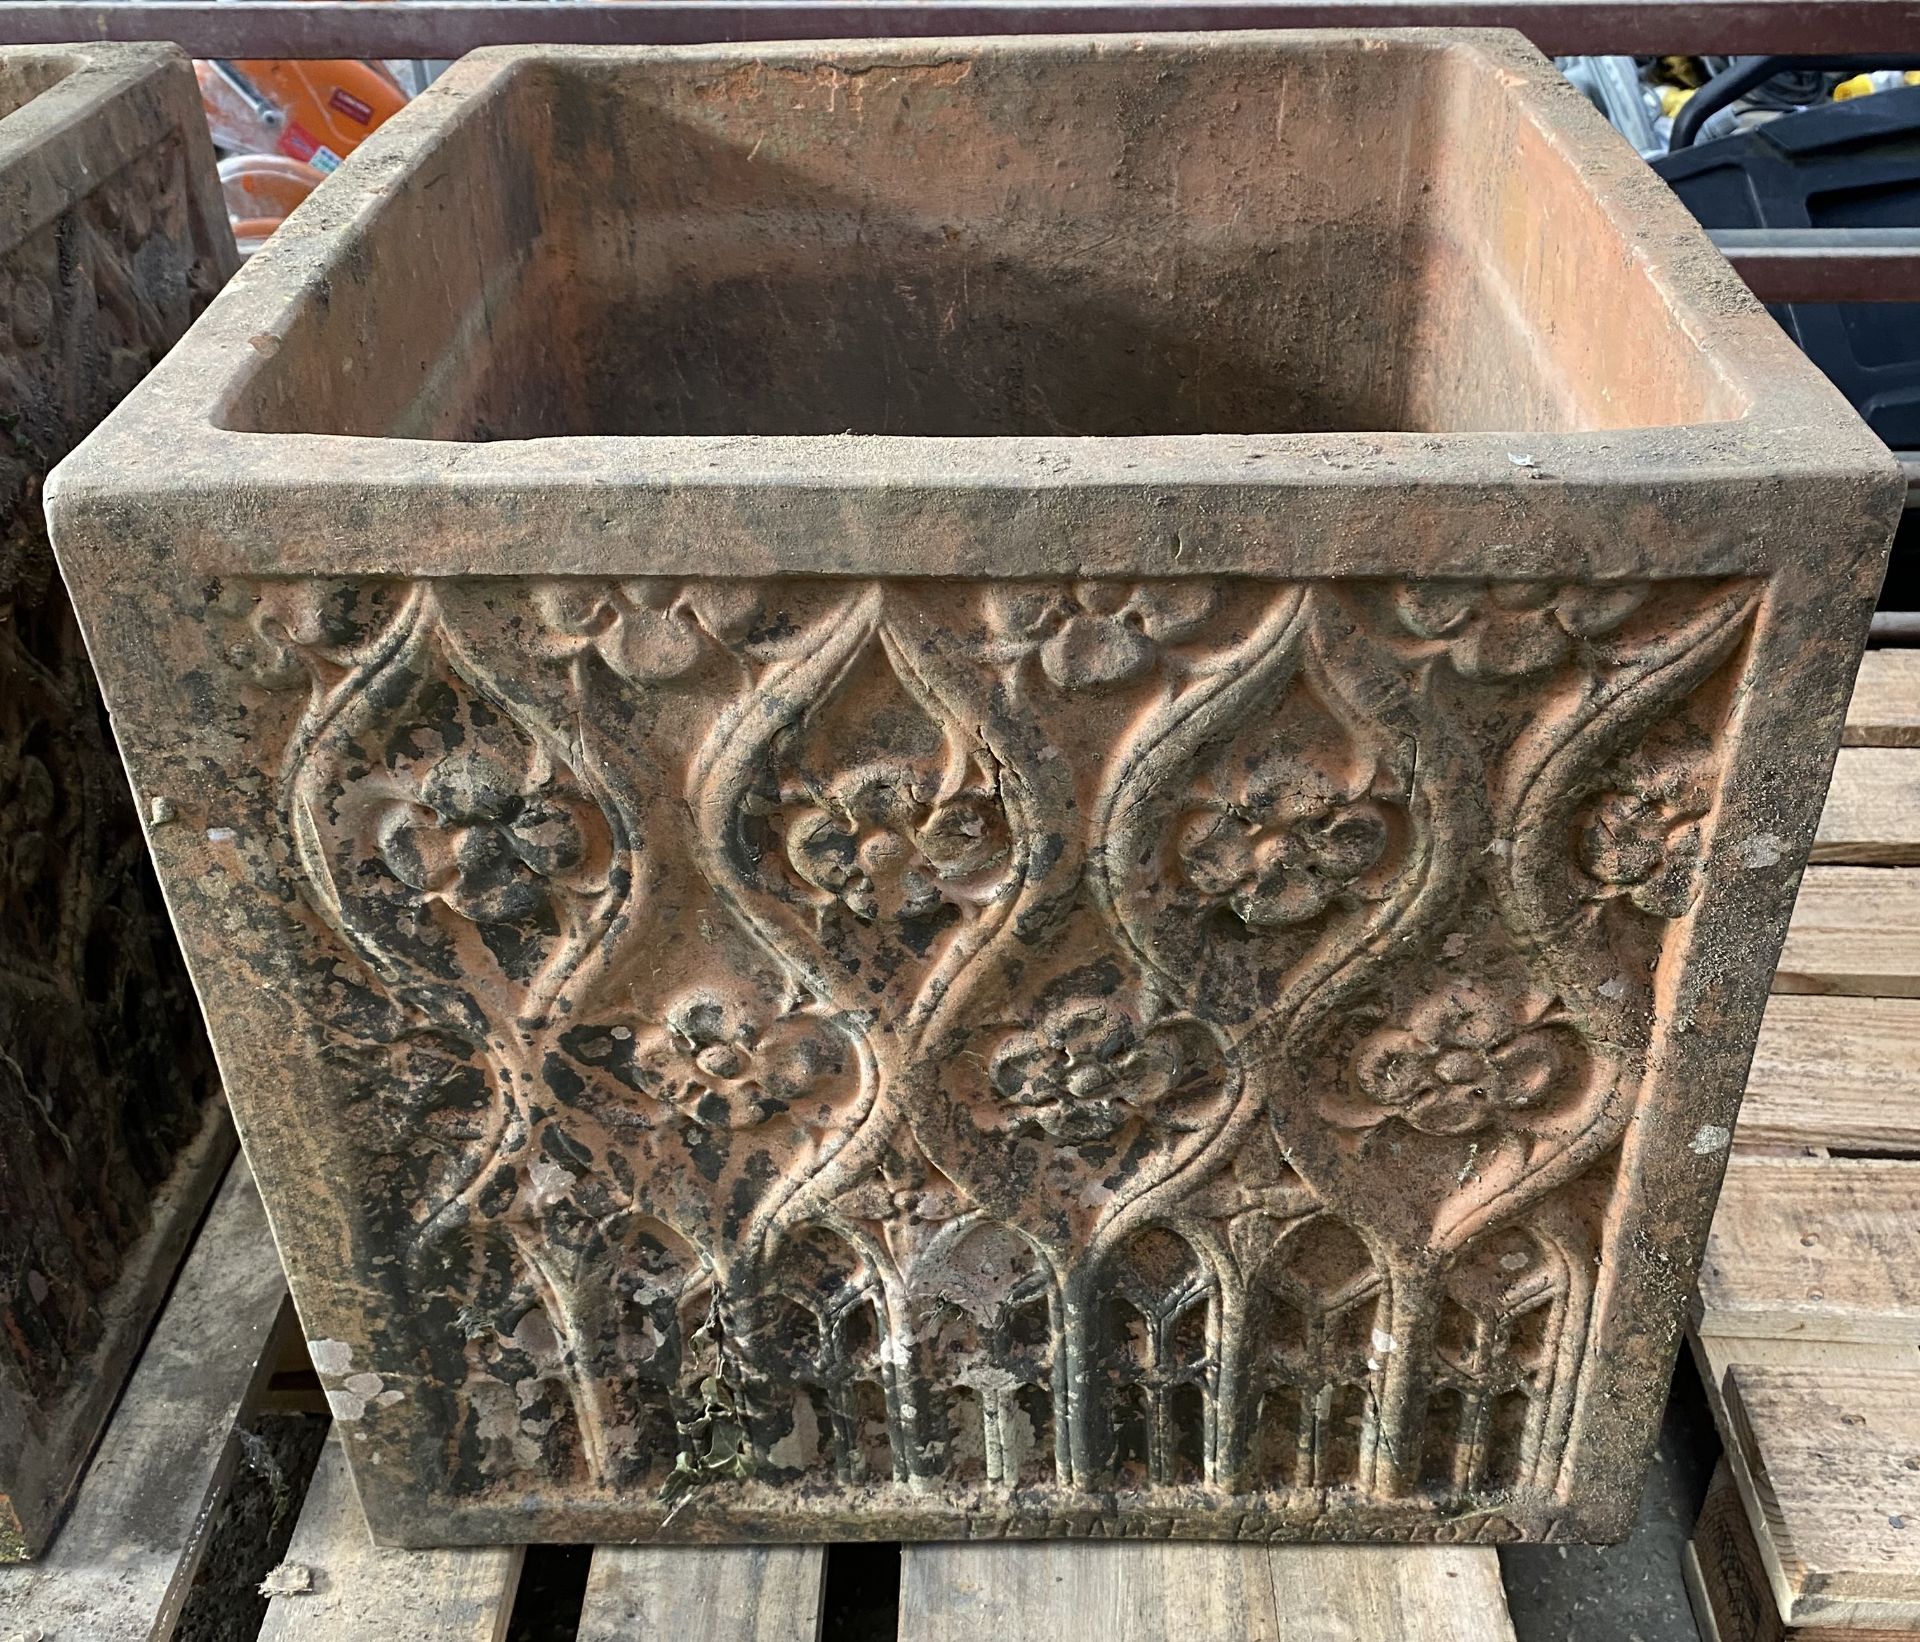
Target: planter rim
343,497
51,145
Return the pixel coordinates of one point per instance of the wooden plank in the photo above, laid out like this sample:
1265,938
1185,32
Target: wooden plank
1826,1464
1873,808
1837,1072
120,1568
1854,930
1820,1248
360,1590
1727,1583
1715,1354
1151,1590
704,1593
1885,709
1701,1600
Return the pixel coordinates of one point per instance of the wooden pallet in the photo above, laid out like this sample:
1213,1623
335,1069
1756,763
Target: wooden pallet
1807,1322
121,1567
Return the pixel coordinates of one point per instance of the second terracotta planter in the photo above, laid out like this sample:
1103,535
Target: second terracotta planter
113,1134
986,788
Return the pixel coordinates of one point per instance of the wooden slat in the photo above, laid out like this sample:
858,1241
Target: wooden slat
697,1593
1824,1461
1819,1248
1885,709
1715,1354
1873,808
1701,1599
1728,1585
1156,1590
1854,930
1837,1072
360,1591
120,1568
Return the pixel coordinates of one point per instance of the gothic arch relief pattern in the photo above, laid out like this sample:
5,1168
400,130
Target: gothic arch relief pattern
1054,1040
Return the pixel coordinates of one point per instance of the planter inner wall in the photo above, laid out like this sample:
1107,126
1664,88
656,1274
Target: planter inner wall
1220,246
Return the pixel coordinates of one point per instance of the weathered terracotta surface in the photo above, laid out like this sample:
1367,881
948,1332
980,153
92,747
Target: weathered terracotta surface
112,1132
860,870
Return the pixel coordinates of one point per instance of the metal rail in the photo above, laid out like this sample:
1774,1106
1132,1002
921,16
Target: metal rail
448,28
1825,264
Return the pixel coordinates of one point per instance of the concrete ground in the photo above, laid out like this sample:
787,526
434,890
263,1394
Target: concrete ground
1630,1592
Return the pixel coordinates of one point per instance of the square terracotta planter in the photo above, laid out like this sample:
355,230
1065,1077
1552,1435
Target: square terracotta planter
978,788
112,1132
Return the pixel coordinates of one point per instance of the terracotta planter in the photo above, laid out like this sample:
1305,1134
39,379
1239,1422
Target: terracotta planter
112,1133
986,788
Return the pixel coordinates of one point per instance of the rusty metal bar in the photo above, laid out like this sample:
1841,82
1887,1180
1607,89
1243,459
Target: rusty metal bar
1825,264
447,28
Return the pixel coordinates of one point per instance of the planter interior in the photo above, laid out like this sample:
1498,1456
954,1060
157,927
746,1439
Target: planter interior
1228,245
111,239
1036,787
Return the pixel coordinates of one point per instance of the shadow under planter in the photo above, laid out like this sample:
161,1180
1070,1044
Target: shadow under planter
987,788
112,1130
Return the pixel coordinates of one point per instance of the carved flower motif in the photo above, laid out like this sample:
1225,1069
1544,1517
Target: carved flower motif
1463,1062
719,1067
1284,853
1086,1070
885,851
1098,634
1511,629
491,845
1643,843
650,627
285,620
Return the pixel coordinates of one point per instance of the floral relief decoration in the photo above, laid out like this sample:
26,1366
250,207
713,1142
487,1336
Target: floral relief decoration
1295,843
1642,836
880,843
1096,635
1467,1059
941,791
1090,1067
491,844
723,1064
1500,630
649,628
